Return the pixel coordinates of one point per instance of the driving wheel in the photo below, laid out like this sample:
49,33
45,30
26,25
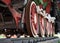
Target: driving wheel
32,19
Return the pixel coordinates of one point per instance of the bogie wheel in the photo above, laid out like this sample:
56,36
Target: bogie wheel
32,19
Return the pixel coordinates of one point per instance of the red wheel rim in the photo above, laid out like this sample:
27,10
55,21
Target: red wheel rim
33,19
42,26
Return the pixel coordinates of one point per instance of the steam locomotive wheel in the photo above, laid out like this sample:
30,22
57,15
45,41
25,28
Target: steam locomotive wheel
49,28
52,29
32,20
42,26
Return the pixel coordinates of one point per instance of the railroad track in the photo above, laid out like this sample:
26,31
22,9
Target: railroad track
31,40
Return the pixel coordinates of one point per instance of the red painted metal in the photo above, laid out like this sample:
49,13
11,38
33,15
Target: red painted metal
48,27
34,19
15,14
42,26
48,8
7,2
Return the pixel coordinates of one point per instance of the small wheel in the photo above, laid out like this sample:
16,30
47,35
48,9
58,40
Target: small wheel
42,26
32,19
49,28
52,29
